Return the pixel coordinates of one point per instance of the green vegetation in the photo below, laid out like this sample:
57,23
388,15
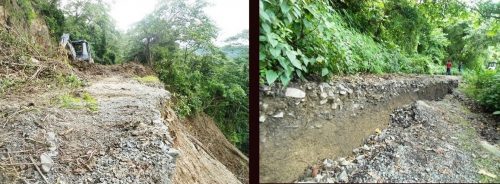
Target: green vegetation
484,86
73,102
469,140
150,79
301,38
176,40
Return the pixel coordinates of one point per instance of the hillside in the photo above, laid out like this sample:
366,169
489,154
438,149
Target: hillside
66,121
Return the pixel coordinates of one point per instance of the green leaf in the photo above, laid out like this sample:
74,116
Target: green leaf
284,7
266,27
271,76
324,72
285,79
293,59
271,40
275,52
496,113
264,16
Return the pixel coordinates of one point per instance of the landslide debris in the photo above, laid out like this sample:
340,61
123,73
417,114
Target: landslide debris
427,141
313,120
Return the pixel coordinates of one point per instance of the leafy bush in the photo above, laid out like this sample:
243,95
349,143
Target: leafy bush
484,86
311,38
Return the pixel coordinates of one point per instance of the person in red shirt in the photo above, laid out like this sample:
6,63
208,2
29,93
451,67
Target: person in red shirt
448,67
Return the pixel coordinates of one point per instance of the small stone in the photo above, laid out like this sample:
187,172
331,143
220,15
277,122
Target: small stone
327,163
295,93
355,150
173,152
323,95
323,101
331,94
264,106
262,118
360,157
279,115
342,92
47,162
365,147
335,106
343,177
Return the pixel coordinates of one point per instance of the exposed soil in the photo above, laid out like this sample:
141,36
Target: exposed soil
129,139
427,141
197,163
333,118
203,128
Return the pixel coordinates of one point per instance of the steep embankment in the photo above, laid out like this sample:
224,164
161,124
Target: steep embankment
111,131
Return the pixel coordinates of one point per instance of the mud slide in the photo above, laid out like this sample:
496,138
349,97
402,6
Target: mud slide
310,121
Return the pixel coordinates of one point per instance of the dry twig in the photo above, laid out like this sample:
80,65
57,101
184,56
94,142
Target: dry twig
38,169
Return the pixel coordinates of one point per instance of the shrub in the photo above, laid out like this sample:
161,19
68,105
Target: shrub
484,86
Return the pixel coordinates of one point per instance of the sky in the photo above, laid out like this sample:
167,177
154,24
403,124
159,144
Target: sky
230,16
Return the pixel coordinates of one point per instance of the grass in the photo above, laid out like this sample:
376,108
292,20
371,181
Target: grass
149,79
70,101
469,140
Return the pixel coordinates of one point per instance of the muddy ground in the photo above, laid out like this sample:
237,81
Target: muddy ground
329,120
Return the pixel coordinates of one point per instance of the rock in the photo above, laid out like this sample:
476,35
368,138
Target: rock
360,157
264,106
35,61
342,92
262,118
355,150
279,115
266,88
491,148
295,93
331,94
486,173
335,106
318,178
323,95
173,152
365,147
323,101
343,177
47,162
328,163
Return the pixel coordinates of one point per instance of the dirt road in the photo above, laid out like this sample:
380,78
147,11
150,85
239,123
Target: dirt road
330,120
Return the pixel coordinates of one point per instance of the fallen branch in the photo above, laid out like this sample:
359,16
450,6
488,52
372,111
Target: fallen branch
38,169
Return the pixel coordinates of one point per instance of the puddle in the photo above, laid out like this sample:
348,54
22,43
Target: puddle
286,152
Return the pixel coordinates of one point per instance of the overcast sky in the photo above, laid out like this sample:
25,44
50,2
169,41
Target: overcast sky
230,16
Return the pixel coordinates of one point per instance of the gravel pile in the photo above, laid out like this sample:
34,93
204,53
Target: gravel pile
418,146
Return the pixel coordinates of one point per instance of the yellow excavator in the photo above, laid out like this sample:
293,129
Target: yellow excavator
78,50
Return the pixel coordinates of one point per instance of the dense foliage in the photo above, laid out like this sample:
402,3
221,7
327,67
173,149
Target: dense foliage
301,38
177,40
484,86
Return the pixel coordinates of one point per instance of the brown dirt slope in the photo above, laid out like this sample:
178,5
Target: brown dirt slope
196,163
204,129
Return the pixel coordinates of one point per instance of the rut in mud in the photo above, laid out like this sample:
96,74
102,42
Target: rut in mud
333,118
